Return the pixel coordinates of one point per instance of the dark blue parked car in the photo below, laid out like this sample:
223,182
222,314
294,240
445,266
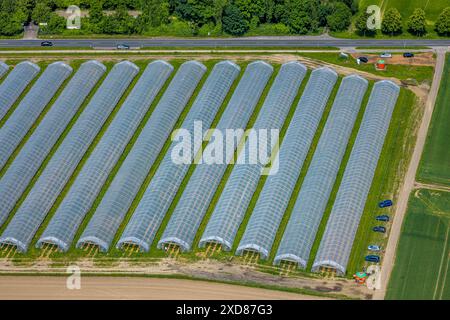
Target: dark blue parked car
372,258
385,203
384,218
379,229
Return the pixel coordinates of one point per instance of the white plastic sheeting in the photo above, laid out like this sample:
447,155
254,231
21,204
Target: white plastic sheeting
63,163
35,150
316,188
95,171
29,109
203,183
242,183
128,180
15,83
337,241
164,185
276,193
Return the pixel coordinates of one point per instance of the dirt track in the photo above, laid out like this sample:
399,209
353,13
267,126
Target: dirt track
93,288
409,181
420,59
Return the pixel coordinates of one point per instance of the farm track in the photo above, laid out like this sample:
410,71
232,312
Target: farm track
438,187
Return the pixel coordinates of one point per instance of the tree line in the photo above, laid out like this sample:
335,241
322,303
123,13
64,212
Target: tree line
207,17
392,23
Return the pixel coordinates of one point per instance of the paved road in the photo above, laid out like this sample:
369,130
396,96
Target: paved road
230,42
410,178
92,288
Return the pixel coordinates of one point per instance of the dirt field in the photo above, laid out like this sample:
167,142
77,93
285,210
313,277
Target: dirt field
420,59
204,269
93,288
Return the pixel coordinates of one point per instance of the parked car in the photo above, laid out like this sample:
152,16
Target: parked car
363,59
386,55
379,229
123,46
46,44
385,203
372,258
374,248
384,218
408,55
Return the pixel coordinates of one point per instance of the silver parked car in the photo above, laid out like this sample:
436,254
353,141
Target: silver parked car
374,248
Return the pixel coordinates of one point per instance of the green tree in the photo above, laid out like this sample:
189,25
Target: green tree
120,22
301,23
96,18
8,6
324,10
251,9
96,13
442,25
197,12
41,13
351,4
56,24
10,25
218,8
301,16
417,23
340,19
361,25
392,22
233,21
154,13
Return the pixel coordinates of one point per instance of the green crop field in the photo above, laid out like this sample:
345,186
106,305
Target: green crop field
435,164
422,266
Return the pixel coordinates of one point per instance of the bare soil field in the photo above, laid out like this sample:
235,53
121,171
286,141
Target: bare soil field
420,59
93,288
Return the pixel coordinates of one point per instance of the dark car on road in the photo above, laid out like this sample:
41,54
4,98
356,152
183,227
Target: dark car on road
384,218
46,44
363,59
408,55
379,229
385,203
372,258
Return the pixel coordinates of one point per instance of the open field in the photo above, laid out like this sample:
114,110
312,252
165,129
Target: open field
422,266
390,172
435,162
115,288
